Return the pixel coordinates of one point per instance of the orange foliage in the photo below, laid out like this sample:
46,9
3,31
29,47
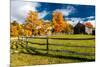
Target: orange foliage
14,31
58,21
27,32
32,23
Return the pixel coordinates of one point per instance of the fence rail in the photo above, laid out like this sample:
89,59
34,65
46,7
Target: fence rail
61,45
64,51
63,38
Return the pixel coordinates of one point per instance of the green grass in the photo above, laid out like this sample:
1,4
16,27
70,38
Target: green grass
35,54
72,36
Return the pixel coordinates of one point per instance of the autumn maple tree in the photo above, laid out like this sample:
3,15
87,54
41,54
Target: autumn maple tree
34,24
59,24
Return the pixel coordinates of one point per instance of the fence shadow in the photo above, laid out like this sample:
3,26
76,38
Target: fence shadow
33,51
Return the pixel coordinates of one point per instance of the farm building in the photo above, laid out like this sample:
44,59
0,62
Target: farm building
79,28
86,28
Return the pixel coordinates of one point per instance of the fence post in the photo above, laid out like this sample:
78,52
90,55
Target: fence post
26,42
22,40
47,45
17,42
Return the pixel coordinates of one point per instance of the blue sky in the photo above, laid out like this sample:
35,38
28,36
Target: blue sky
73,13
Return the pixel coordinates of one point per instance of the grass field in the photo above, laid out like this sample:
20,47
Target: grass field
36,54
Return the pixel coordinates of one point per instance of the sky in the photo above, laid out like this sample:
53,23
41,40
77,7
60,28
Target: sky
71,12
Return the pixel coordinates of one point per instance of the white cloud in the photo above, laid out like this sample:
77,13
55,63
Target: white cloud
13,18
42,14
75,20
90,17
19,9
46,20
71,21
66,11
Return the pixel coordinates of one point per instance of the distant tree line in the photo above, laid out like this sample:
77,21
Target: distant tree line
33,26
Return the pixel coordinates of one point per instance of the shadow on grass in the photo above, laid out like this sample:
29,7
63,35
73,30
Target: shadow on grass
33,51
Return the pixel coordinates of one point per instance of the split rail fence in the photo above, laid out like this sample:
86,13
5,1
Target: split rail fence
64,51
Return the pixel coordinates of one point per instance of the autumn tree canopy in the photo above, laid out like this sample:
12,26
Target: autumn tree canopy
35,26
59,24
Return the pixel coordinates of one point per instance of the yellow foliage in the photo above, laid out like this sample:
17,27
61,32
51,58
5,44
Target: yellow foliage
27,33
14,31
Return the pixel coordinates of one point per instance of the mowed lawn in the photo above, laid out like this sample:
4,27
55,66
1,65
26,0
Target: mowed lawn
36,54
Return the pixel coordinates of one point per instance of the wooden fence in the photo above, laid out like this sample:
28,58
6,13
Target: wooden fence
64,51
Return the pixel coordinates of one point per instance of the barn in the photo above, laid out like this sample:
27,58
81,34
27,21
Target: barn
79,28
83,28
